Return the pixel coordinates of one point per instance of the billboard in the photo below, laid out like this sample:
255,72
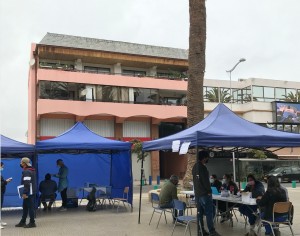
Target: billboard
287,112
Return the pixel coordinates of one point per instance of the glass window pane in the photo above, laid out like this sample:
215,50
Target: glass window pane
224,95
258,92
212,94
279,93
269,92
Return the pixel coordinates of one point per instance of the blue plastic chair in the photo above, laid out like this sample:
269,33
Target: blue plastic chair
181,218
158,209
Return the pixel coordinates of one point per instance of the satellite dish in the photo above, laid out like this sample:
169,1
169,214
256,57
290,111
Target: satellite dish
83,92
32,62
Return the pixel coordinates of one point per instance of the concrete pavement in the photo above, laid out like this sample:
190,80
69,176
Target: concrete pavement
106,221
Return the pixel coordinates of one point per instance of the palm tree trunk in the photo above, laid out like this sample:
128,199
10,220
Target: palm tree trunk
197,44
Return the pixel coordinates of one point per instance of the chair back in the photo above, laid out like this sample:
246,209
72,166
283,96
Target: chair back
179,207
154,199
125,193
282,208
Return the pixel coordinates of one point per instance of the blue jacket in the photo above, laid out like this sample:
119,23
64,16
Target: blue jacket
62,176
29,180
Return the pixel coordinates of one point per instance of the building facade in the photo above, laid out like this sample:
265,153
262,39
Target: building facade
129,91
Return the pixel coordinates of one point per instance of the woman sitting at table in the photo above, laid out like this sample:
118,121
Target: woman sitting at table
257,189
273,194
229,185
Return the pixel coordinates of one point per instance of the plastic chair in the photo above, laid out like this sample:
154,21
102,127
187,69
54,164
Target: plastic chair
157,209
178,213
282,208
124,199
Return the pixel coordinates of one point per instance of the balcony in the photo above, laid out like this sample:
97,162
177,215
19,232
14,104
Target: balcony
118,110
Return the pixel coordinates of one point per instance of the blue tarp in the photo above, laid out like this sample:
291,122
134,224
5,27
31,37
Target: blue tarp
110,168
223,128
11,152
10,146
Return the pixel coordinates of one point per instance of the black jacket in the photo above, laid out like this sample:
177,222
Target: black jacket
3,185
29,179
201,180
268,199
258,189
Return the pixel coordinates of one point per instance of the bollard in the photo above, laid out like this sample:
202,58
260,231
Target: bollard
150,180
158,180
294,184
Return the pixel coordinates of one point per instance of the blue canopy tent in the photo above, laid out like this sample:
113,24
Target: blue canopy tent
11,151
90,158
223,128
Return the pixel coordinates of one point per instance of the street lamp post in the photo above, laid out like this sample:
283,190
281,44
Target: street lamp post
229,71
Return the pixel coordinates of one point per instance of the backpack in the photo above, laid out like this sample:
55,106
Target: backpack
91,206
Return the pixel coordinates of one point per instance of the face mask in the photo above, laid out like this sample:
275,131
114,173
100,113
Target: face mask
251,182
21,166
211,181
224,181
206,161
2,168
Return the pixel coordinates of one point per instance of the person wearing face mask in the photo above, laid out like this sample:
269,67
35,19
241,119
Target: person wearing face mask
203,193
29,181
214,182
62,183
3,188
257,189
229,185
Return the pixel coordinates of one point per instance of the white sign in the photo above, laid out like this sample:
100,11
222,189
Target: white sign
175,145
184,148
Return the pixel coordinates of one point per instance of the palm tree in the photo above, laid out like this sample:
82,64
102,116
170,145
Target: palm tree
291,97
214,94
197,44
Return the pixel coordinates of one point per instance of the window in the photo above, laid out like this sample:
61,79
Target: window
269,92
279,93
97,70
134,73
258,92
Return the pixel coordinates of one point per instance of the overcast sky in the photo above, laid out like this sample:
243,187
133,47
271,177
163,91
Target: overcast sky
265,32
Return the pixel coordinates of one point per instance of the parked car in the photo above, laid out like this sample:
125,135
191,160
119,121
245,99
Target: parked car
285,173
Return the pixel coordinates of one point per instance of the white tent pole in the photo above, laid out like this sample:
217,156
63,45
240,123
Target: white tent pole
233,164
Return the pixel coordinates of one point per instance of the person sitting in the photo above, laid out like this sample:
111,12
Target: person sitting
48,187
214,182
168,192
229,185
273,194
257,189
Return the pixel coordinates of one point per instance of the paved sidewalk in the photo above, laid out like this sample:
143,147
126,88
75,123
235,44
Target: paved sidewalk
107,221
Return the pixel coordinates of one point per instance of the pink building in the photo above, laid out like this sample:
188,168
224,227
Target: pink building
129,91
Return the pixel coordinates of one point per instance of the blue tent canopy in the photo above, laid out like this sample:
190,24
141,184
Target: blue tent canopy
10,146
90,158
79,137
11,151
223,128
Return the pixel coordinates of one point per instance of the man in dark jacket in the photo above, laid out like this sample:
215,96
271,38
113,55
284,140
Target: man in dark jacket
48,187
203,192
3,188
29,181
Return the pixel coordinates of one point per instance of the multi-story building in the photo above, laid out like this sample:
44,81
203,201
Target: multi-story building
129,91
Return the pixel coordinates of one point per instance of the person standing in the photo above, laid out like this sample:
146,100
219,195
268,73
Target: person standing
29,190
203,193
48,187
3,188
62,182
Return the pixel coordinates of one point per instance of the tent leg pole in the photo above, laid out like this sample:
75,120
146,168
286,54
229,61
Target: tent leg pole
197,197
142,173
233,163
